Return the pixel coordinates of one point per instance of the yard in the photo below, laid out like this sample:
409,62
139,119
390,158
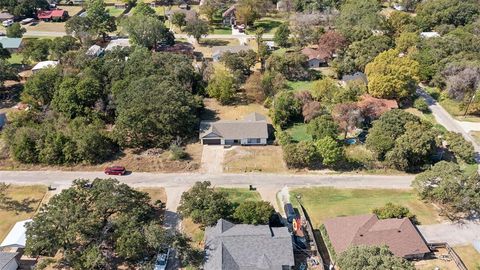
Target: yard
267,159
324,202
153,160
205,46
469,256
238,195
155,194
15,58
115,12
476,135
30,197
298,86
216,111
270,25
299,132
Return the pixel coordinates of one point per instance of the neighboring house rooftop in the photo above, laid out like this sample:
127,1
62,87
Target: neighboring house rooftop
5,16
400,235
10,43
47,14
45,64
230,11
377,106
6,258
121,42
17,235
94,50
231,246
220,50
429,34
312,53
253,125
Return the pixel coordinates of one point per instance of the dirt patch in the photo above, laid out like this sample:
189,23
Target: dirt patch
254,159
147,161
216,111
46,27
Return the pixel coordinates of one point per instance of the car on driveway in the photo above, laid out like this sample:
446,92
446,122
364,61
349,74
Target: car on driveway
162,261
115,170
7,23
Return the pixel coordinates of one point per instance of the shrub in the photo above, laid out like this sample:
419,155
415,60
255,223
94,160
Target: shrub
255,213
421,105
300,155
460,147
391,210
177,152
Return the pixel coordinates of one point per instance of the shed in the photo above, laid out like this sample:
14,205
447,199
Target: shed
43,65
95,50
17,237
8,261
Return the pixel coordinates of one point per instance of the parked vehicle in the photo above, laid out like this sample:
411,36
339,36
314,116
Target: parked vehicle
289,212
27,20
162,261
115,170
7,23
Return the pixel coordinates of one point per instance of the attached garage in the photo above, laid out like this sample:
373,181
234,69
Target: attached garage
211,141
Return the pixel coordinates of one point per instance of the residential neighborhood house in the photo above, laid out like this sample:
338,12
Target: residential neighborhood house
56,15
231,246
229,16
43,65
316,58
400,235
121,42
11,44
95,50
251,130
16,237
218,51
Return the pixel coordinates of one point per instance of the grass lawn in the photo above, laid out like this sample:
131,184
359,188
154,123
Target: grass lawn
238,195
216,111
299,132
469,256
46,27
300,85
254,159
15,58
115,12
270,25
221,30
155,194
324,202
19,193
475,135
194,231
455,109
428,117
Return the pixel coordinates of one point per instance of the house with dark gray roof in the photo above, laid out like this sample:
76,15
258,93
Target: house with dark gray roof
8,261
251,130
231,246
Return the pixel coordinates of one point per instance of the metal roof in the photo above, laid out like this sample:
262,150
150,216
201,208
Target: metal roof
10,43
17,235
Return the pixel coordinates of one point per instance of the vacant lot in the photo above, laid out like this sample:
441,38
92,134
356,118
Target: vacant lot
469,256
29,197
254,159
46,27
155,194
149,161
324,203
216,111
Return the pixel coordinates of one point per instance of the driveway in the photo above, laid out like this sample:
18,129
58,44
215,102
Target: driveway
212,159
452,233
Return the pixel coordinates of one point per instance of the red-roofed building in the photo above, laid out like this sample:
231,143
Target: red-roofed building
400,235
52,15
316,57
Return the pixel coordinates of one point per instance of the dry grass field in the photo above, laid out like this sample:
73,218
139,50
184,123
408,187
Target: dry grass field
267,159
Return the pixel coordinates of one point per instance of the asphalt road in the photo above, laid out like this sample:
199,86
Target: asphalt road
62,179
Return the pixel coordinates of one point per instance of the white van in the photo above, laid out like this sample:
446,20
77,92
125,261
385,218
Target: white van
7,23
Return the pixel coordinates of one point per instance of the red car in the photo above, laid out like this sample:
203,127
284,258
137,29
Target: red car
115,170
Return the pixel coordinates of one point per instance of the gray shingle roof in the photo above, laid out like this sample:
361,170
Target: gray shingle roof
220,50
6,257
252,126
247,247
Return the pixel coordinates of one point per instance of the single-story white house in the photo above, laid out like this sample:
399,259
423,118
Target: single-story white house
8,261
429,34
17,236
43,65
251,130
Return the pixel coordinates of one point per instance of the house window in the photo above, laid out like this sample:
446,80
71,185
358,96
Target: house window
253,141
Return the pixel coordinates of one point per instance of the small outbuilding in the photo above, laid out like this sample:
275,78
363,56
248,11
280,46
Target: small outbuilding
43,65
95,51
8,261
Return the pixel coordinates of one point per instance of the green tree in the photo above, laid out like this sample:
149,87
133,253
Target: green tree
77,96
204,204
300,155
358,18
61,45
197,29
384,132
240,63
325,90
285,110
40,88
460,147
293,66
407,40
402,22
248,11
6,71
4,53
36,50
147,31
210,7
323,126
391,76
250,212
23,145
100,21
143,9
26,8
390,210
97,226
371,257
282,35
178,19
330,151
432,13
15,31
222,86
80,27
